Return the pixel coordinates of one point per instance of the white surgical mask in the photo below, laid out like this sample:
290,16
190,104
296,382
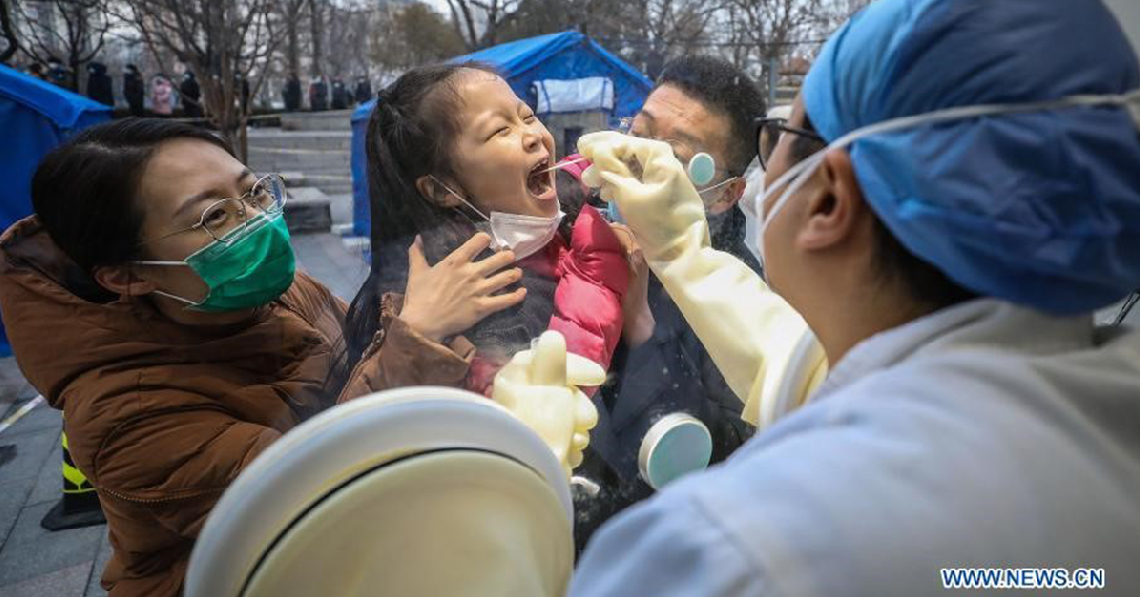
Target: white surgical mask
799,173
753,191
524,235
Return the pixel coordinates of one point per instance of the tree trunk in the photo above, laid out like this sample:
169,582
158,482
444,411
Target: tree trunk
74,64
471,39
292,49
244,133
315,28
8,31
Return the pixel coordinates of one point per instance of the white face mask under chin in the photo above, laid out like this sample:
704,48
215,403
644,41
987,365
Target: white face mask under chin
524,235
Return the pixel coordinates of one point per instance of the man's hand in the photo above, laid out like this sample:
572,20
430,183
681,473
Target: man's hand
638,320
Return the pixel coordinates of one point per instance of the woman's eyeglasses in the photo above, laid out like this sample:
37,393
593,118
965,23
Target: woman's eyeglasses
222,217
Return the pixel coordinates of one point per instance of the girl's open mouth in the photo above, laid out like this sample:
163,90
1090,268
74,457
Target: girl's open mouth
540,182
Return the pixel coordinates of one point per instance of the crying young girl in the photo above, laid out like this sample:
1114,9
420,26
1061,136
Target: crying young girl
473,253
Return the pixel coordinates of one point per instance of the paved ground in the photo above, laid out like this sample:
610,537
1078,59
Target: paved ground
38,563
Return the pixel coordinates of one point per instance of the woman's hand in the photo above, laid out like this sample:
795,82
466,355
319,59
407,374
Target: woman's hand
638,319
456,293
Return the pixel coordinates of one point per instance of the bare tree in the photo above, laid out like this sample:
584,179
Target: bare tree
225,43
411,35
79,39
316,31
602,19
772,24
479,22
8,31
291,14
755,35
348,28
738,50
647,33
776,30
840,11
672,28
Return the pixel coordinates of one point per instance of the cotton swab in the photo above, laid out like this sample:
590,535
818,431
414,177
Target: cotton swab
701,169
561,165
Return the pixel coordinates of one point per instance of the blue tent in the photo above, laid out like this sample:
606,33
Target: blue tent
361,216
566,55
35,117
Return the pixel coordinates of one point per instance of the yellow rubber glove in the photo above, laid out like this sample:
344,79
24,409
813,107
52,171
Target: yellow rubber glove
540,386
764,349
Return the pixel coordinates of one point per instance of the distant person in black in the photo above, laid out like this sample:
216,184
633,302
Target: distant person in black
363,90
99,84
292,93
318,95
191,96
134,90
339,94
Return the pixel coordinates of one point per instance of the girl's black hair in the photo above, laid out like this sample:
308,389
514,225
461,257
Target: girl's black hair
85,192
411,133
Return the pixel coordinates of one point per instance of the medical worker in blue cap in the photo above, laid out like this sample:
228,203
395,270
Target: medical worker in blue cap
956,191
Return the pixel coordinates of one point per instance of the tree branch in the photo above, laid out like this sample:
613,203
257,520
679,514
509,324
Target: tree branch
9,33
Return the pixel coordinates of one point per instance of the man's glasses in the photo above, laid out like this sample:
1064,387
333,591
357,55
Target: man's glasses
768,131
682,150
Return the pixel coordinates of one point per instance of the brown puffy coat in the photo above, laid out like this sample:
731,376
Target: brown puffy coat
161,417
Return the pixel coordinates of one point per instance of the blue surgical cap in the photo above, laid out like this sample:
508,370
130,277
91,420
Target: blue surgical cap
1041,209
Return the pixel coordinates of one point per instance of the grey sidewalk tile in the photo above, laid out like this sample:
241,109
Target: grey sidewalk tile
49,483
68,582
32,551
12,500
13,387
93,587
326,259
32,450
39,418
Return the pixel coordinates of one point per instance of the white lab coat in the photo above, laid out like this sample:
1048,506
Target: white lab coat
985,435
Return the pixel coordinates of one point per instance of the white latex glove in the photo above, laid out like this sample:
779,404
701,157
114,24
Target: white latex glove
761,345
652,190
540,386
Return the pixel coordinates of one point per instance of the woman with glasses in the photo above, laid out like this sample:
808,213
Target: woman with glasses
153,298
768,132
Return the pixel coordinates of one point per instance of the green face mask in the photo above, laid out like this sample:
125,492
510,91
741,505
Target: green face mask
249,268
